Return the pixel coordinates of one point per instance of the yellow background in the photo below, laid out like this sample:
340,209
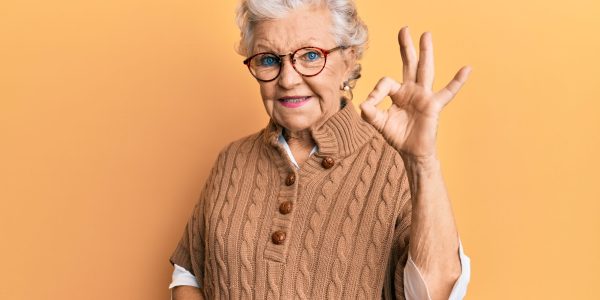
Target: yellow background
112,112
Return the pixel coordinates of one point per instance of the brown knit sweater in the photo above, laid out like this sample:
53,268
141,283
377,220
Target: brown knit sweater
337,228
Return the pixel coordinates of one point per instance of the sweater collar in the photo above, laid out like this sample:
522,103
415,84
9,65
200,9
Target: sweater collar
340,135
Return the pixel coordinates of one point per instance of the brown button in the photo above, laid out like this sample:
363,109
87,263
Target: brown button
285,207
290,179
328,162
278,237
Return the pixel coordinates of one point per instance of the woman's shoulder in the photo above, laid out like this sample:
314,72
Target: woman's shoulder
243,144
234,152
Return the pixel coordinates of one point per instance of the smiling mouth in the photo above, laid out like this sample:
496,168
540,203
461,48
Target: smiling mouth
294,99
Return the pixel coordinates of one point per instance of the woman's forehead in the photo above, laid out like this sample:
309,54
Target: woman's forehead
300,28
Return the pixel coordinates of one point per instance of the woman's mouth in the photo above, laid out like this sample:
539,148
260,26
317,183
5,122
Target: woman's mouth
293,102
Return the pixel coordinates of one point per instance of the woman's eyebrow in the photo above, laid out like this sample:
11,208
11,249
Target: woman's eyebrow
262,47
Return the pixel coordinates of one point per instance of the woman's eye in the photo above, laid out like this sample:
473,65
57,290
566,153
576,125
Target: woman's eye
312,55
267,61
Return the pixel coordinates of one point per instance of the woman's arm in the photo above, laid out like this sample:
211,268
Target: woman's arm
433,237
186,292
410,126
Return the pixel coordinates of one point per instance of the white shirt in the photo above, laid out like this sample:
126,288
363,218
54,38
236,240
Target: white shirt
414,284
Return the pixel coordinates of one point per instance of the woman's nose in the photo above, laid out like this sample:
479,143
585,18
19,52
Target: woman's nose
288,77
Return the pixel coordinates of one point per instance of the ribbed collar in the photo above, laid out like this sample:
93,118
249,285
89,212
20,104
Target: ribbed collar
340,135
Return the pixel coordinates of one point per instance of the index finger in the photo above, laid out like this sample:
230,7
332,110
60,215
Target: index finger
409,57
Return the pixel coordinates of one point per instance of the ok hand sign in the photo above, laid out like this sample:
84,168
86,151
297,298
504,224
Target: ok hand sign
410,123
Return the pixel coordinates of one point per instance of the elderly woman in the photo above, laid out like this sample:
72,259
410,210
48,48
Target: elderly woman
321,203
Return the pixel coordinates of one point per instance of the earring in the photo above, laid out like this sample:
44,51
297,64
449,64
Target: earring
345,86
347,90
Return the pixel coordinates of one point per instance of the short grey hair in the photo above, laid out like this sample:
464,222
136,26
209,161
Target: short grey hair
348,29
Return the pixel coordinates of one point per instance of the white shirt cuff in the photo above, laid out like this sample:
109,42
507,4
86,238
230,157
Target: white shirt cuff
416,289
181,276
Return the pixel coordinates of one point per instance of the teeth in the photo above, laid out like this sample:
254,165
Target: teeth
296,100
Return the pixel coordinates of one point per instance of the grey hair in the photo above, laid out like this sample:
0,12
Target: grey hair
348,29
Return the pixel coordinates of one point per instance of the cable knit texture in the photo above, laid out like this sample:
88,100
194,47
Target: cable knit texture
345,237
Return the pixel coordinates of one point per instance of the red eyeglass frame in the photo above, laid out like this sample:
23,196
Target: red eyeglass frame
292,54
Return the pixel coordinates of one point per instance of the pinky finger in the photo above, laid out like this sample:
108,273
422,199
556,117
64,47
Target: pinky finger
451,89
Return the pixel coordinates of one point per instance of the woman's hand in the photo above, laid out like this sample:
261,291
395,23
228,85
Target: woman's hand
410,123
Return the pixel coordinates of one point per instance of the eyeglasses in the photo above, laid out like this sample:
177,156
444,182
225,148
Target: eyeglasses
307,61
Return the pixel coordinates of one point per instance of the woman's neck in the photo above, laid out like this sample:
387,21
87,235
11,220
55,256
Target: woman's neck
300,143
301,138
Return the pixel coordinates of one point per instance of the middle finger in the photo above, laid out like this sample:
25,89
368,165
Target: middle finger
425,66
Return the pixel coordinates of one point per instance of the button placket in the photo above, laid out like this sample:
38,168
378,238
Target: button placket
281,226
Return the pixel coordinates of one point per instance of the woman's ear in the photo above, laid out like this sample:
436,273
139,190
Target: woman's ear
350,61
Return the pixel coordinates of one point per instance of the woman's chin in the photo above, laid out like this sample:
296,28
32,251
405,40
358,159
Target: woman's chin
297,119
295,124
